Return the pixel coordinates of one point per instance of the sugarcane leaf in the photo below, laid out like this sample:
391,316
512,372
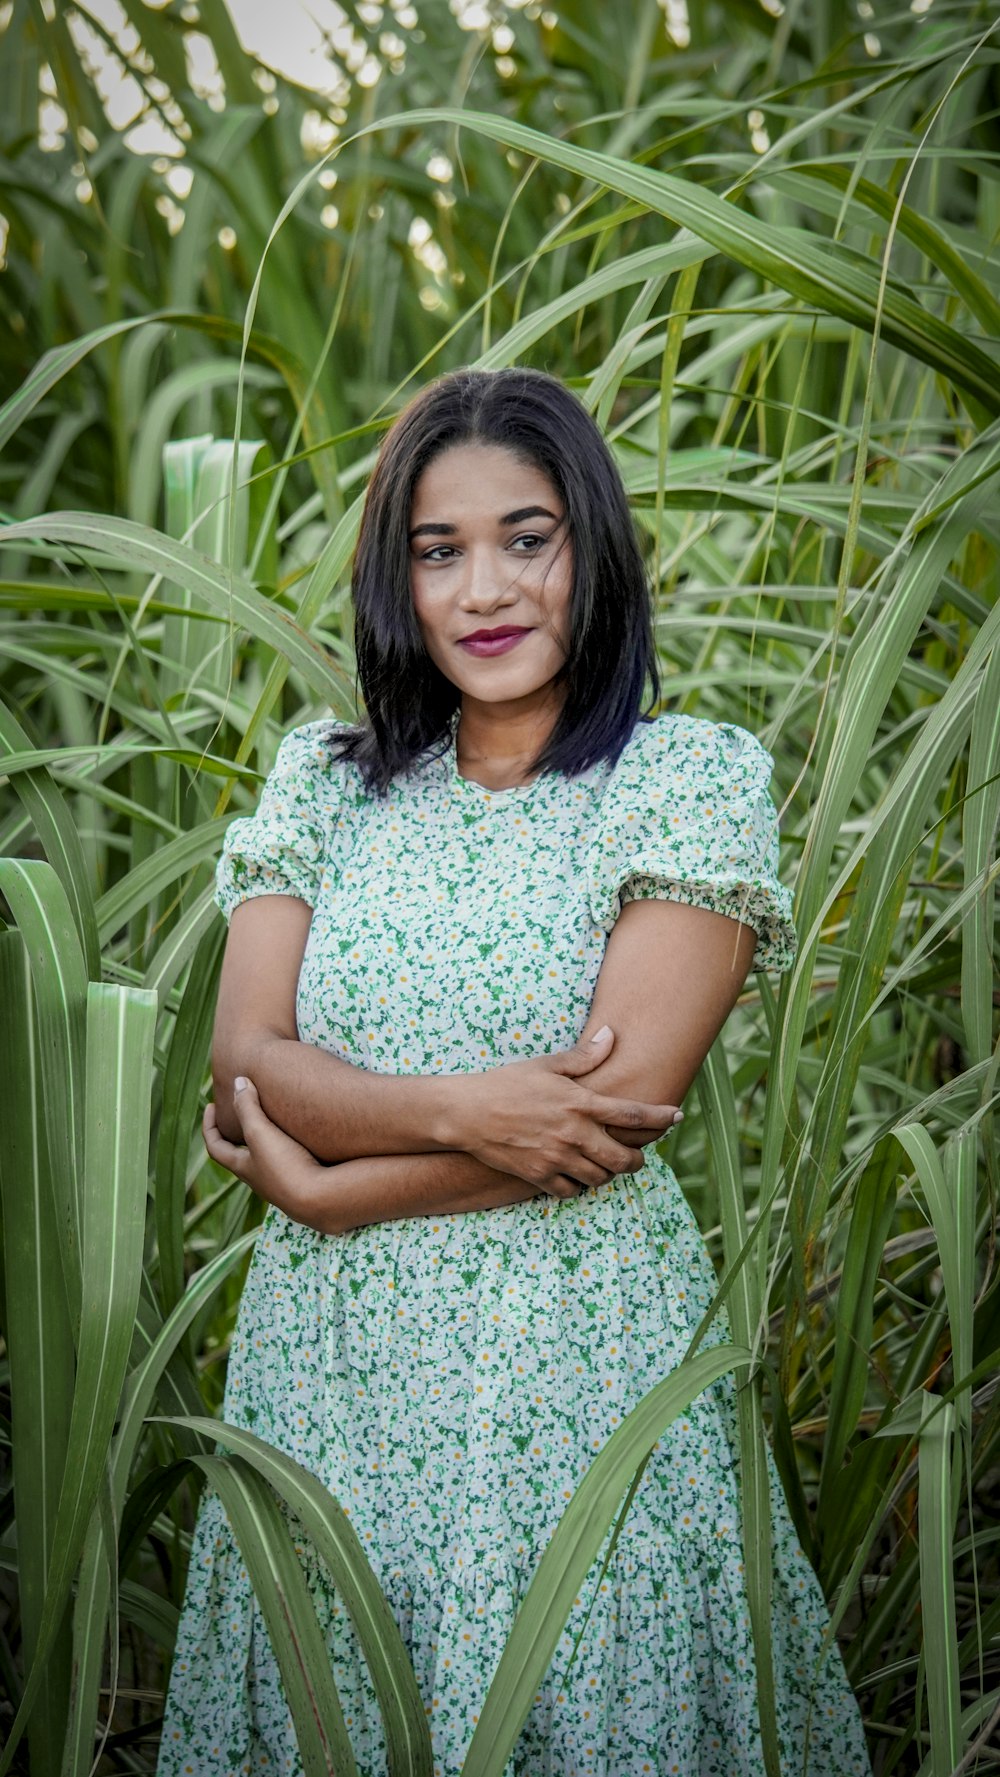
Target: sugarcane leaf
571,1552
38,1336
336,1542
120,1024
296,1638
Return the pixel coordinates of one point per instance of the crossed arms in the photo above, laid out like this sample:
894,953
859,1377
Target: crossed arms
336,1147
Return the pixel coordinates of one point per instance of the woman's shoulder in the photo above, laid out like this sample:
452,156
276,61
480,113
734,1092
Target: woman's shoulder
312,765
313,744
679,752
301,820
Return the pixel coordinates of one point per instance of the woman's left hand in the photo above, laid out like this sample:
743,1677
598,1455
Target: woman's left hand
275,1166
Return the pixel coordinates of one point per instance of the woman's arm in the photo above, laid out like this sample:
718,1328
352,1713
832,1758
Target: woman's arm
671,975
535,1119
335,1199
334,1109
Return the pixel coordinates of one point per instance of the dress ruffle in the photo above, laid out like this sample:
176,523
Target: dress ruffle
688,816
457,1519
663,1680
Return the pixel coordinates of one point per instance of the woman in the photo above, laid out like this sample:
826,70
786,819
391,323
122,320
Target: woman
479,949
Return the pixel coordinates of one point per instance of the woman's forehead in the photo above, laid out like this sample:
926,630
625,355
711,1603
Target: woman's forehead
485,479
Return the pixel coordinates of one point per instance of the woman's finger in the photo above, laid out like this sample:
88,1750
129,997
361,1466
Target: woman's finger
234,1158
253,1119
271,1145
561,1185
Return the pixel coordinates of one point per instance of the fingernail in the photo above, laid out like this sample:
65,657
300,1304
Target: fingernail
605,1031
240,1083
678,1116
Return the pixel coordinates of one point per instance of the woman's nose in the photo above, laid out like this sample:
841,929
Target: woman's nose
485,584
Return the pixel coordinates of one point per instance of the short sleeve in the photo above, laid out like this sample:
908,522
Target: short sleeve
280,848
687,816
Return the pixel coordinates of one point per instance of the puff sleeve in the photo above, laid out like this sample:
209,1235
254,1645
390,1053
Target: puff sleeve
687,816
280,849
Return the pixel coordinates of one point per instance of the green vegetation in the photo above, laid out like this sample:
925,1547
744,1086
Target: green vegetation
767,258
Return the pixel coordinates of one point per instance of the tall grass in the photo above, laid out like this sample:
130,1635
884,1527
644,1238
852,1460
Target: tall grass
788,324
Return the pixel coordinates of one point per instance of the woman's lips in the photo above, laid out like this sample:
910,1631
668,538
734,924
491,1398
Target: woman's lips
500,642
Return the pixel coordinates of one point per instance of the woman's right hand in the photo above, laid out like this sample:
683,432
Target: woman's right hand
539,1121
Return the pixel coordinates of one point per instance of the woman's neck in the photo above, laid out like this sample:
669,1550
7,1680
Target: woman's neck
495,745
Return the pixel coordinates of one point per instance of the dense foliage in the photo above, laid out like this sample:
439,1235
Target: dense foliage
762,244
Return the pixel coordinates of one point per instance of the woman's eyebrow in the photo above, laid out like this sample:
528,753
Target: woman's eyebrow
524,512
438,528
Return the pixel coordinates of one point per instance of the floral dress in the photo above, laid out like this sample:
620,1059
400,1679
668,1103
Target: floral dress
451,1377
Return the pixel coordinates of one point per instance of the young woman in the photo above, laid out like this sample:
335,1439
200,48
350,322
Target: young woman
479,948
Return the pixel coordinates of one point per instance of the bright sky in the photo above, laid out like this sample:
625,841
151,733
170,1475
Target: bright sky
293,38
290,36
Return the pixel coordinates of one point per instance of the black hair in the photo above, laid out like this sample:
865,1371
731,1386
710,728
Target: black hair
408,700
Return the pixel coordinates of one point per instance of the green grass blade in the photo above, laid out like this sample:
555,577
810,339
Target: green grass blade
715,1089
58,837
328,570
145,1379
155,1616
879,647
56,364
571,1552
823,275
38,1337
40,595
336,1542
179,857
625,270
183,1076
90,1615
870,676
871,1218
949,1191
978,1725
980,817
179,946
113,754
223,592
119,1034
61,360
974,291
45,920
960,1156
937,1586
876,904
266,1545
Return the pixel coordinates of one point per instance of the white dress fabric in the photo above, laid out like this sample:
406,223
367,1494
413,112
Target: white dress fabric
450,1378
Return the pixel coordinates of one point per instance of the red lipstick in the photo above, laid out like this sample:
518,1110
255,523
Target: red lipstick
487,642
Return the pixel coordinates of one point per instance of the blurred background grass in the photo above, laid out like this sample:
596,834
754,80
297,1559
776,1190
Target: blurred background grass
761,242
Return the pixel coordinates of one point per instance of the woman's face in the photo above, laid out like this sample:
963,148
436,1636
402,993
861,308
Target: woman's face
491,568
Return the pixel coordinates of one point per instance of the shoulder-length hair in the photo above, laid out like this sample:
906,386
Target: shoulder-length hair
408,700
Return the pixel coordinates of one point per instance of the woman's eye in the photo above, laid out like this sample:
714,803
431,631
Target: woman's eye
528,543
